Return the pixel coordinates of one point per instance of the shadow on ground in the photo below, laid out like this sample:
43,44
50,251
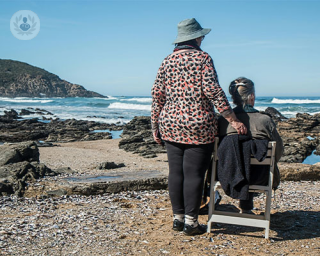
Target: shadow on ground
289,225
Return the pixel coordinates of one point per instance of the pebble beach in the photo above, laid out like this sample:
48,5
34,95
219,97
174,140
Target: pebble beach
139,222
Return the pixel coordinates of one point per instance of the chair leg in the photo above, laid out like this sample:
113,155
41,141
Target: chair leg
266,235
267,212
211,207
209,227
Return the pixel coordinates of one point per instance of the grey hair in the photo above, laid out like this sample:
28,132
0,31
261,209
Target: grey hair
241,90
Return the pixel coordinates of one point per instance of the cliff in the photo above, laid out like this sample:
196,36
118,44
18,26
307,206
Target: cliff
19,79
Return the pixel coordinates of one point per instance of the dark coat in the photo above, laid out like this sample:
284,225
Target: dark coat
234,170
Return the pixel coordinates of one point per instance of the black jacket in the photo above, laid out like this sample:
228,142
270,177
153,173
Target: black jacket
234,171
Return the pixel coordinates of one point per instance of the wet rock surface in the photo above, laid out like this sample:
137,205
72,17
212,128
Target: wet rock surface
13,129
300,135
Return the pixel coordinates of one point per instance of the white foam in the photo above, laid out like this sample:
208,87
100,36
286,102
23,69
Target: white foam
118,105
26,100
138,99
260,108
109,98
292,101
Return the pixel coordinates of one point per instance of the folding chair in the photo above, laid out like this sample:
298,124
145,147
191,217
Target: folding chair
262,221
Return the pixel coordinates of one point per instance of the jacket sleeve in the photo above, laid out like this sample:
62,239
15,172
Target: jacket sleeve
212,89
158,97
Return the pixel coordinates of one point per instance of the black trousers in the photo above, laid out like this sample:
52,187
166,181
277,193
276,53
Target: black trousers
187,168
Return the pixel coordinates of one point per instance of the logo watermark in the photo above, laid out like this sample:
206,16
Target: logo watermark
25,25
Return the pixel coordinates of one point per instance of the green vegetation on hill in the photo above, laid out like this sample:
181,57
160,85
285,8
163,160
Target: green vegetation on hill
19,79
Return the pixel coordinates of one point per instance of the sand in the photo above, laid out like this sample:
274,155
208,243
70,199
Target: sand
85,156
139,223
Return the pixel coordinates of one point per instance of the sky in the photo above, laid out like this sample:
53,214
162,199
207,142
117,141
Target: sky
116,47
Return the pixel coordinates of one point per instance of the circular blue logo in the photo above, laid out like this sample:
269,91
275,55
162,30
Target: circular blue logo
25,25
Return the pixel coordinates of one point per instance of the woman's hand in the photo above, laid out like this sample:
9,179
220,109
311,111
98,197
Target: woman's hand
157,137
239,127
236,124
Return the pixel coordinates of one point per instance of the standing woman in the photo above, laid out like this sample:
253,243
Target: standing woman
183,95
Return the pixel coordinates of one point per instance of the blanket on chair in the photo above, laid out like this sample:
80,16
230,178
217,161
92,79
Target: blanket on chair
234,168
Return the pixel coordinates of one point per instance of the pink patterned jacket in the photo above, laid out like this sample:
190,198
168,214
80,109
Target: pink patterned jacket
183,95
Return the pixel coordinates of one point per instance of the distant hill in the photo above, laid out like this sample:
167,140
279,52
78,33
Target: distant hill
19,79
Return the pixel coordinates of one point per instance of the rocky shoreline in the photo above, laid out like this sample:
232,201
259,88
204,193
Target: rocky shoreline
300,135
50,129
68,191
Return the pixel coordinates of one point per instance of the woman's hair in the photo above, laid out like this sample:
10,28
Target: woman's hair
191,42
241,90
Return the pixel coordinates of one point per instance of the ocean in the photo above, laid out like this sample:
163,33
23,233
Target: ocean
121,109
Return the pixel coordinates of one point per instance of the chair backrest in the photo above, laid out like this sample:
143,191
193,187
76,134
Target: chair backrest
269,160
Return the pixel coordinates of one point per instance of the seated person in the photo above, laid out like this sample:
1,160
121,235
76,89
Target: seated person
260,126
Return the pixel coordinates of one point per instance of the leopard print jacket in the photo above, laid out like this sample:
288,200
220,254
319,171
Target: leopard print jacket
183,95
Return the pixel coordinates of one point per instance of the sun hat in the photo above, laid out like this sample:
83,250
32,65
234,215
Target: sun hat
190,29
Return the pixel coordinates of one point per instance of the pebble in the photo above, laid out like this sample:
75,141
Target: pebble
87,225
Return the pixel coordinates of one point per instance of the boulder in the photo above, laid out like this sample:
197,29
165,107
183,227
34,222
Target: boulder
10,114
275,114
137,138
109,165
14,177
63,171
19,164
25,151
25,112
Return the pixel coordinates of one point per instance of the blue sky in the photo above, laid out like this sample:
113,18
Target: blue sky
116,47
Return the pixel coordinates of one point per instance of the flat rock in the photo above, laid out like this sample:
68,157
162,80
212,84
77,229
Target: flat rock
111,182
298,172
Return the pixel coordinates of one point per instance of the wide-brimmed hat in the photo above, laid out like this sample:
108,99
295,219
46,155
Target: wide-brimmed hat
190,29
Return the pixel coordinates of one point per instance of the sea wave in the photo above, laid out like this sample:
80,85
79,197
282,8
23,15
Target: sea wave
118,105
260,108
26,100
138,99
294,101
109,98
